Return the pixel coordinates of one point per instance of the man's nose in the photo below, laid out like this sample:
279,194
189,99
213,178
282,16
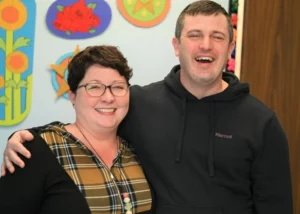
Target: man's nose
206,43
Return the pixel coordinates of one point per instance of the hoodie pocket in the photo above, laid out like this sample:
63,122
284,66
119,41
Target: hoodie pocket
180,209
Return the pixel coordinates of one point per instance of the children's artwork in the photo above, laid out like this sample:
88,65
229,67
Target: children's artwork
60,73
233,9
236,10
17,27
144,13
78,19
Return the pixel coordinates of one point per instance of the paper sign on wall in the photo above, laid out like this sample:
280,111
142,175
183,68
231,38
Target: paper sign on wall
17,26
78,19
59,74
144,13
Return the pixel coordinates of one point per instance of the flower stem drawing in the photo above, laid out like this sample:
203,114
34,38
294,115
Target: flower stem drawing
16,76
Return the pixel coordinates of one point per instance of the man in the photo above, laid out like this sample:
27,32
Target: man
207,145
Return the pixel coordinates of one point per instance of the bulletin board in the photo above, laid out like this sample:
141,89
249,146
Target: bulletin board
236,11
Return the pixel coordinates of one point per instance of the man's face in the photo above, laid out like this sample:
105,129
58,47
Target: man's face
203,49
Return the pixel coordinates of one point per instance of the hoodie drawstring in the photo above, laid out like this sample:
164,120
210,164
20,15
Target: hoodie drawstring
210,158
181,132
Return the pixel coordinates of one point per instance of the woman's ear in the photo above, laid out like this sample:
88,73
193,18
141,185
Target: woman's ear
72,97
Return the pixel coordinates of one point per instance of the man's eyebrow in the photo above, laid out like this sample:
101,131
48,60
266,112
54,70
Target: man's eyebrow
194,31
200,31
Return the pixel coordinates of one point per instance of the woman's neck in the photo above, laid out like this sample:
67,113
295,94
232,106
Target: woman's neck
98,138
104,145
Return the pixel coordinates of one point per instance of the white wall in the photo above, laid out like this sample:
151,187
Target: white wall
148,50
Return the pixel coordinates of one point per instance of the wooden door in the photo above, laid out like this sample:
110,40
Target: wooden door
271,64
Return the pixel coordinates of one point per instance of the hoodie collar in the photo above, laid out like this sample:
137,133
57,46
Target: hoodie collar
234,90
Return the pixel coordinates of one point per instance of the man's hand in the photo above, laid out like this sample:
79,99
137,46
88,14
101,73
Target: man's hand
13,147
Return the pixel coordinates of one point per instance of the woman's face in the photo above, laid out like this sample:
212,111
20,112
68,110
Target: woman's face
104,111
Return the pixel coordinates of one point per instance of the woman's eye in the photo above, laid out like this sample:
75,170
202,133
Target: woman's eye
91,87
118,87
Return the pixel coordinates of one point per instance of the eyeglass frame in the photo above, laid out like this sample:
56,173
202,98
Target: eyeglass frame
105,87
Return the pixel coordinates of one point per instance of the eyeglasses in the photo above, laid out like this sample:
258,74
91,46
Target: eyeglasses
118,89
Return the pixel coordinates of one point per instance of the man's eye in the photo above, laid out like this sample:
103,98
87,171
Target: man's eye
218,37
193,35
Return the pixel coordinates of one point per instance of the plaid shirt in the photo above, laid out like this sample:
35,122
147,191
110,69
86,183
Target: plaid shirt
101,187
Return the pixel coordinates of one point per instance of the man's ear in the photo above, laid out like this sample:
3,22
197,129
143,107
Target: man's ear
231,47
175,43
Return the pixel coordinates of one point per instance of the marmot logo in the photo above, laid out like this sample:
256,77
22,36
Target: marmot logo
223,135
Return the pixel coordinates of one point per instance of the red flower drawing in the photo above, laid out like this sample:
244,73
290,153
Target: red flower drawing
234,19
76,17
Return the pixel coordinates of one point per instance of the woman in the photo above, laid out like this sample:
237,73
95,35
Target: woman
99,163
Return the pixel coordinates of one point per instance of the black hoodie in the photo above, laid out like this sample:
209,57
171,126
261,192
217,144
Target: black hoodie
222,154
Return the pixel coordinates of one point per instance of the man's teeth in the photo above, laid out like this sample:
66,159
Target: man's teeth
108,110
204,59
